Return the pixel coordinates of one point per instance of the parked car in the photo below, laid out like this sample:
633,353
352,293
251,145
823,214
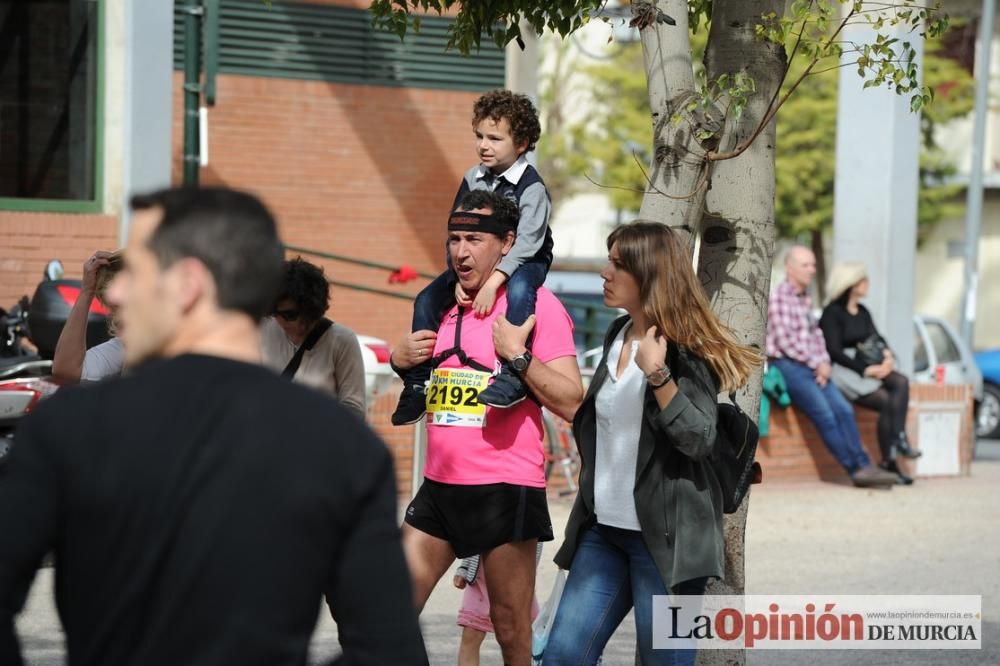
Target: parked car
378,374
941,356
988,414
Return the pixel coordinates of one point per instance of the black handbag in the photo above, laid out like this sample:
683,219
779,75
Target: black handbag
732,457
871,350
733,454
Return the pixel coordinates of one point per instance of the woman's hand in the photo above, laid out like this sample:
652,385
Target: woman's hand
414,349
509,340
652,352
880,371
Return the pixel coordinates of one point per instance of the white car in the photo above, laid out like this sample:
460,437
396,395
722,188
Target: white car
941,356
378,374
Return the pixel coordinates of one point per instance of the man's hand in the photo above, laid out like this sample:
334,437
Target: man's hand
414,349
822,373
483,304
90,268
652,352
509,340
461,297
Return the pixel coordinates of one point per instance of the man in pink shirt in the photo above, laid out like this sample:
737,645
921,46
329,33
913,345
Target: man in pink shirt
484,481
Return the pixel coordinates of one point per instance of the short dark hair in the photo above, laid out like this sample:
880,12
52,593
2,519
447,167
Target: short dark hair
504,210
517,109
305,284
232,233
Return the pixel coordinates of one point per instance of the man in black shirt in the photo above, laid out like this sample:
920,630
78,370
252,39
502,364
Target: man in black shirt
200,507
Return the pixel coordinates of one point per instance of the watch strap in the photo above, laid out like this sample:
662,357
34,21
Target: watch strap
658,378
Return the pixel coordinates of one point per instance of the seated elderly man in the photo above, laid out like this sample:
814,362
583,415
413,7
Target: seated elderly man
795,346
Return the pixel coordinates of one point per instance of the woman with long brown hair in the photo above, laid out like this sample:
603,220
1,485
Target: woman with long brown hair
648,517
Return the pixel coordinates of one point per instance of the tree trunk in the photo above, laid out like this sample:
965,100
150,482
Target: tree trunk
676,167
737,226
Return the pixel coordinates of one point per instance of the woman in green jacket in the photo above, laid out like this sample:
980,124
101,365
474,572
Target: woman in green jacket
648,517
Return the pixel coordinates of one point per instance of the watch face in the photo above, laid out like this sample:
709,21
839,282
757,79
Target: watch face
520,363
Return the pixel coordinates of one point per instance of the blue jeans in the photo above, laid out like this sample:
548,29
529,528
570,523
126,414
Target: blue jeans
829,411
612,571
522,292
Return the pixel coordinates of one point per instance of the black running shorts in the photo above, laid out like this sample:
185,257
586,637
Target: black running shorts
475,519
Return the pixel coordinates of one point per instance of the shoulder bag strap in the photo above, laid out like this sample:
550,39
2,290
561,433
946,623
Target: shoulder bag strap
321,327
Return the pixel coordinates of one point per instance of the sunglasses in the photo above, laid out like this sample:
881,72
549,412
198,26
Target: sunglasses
287,315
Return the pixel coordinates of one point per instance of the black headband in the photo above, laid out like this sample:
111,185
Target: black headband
462,220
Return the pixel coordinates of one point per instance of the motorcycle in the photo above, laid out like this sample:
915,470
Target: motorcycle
25,374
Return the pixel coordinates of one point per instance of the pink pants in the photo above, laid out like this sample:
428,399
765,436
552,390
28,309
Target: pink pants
475,610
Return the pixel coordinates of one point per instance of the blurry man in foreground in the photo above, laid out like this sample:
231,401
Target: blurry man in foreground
200,507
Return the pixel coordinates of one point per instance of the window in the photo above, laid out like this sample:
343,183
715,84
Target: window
944,346
920,360
50,110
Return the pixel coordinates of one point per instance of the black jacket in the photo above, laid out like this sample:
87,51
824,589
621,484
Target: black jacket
677,495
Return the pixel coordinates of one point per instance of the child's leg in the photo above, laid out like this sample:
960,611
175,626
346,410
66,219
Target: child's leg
430,304
432,301
522,291
468,650
507,388
474,618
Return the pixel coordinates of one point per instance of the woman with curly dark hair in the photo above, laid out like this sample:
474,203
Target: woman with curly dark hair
301,343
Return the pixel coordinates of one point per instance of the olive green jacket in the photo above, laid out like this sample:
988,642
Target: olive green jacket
677,495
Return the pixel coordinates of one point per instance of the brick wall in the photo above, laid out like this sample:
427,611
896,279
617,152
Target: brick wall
28,241
362,171
793,449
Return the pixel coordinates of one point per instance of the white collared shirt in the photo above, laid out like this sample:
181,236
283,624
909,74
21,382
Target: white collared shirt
511,175
619,404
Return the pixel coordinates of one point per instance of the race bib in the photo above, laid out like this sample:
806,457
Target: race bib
452,397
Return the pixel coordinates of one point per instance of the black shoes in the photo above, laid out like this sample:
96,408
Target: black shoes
904,449
412,405
892,467
506,390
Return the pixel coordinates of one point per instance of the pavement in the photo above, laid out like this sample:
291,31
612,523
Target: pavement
939,536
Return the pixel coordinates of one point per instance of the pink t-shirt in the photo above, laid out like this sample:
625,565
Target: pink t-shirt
509,448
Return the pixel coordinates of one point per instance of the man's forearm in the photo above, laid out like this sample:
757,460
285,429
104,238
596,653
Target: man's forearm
556,384
67,362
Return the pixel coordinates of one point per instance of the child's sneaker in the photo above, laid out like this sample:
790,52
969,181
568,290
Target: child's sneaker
412,405
506,390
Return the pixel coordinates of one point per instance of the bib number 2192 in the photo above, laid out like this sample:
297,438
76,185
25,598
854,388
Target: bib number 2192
452,397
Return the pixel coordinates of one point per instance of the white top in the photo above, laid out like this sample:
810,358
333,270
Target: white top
334,364
619,404
102,361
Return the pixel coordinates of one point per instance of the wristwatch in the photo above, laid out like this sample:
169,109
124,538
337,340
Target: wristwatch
658,378
521,362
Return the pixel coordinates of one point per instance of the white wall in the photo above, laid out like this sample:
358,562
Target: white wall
939,284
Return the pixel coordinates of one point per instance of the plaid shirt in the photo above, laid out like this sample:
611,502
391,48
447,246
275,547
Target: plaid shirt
792,330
